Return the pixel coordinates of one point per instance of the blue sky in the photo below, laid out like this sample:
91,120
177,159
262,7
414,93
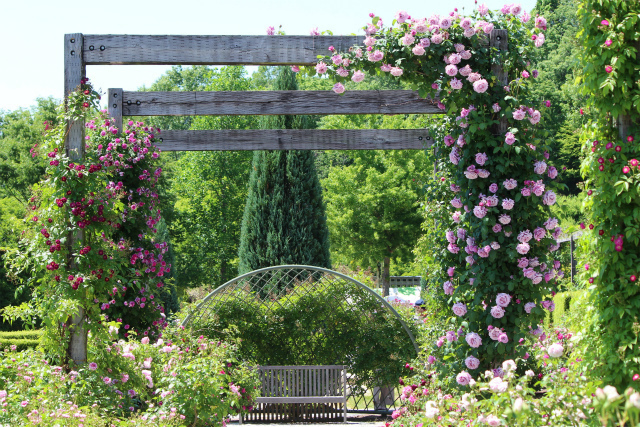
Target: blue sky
32,32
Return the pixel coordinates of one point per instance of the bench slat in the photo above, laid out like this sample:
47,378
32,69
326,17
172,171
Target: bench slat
316,399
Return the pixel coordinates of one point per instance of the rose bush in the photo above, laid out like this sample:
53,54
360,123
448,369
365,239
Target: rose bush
499,237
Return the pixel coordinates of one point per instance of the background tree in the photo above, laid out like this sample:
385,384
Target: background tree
373,208
284,219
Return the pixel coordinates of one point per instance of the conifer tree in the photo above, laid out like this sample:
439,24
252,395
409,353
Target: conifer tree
284,220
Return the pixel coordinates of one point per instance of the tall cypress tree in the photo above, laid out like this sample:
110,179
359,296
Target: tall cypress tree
284,219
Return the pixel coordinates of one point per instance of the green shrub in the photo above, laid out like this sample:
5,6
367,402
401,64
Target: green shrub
33,334
565,302
21,344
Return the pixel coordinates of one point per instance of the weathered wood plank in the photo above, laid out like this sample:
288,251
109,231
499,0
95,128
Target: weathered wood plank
294,139
114,106
317,399
234,103
210,50
499,39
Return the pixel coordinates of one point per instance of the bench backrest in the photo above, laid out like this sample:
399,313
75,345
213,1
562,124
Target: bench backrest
303,381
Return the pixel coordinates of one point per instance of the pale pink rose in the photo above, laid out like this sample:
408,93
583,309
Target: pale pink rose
445,23
509,138
525,236
523,248
483,9
437,38
497,312
495,246
459,309
425,42
481,86
346,62
497,385
338,88
401,16
396,71
421,26
465,23
314,32
539,41
321,68
480,211
295,68
525,17
508,204
551,223
494,334
555,350
529,306
535,117
465,54
539,233
461,233
491,201
451,236
493,188
472,362
407,40
553,172
493,421
453,248
497,228
504,219
342,72
418,50
447,287
456,203
503,338
456,217
503,299
386,68
474,77
473,339
358,76
549,198
456,84
523,262
525,192
454,58
518,114
451,70
481,158
358,53
271,31
375,56
336,59
483,173
463,378
516,9
470,260
496,107
465,71
510,184
369,41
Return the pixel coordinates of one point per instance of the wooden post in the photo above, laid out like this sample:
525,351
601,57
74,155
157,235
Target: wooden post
114,106
74,71
572,247
500,41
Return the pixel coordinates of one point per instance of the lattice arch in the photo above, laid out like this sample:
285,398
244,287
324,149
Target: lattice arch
276,314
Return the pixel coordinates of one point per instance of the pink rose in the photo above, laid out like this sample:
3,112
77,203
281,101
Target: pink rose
456,84
509,138
358,76
508,204
472,362
338,88
497,312
418,50
463,378
503,299
473,339
459,309
396,71
321,68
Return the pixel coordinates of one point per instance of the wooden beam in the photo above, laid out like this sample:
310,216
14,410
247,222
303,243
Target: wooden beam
211,50
114,106
294,139
276,102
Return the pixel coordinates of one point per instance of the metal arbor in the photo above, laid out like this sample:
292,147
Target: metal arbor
302,315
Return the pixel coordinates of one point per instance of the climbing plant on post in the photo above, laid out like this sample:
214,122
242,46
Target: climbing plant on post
496,256
78,264
611,73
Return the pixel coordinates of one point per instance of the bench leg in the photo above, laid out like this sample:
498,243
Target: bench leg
345,412
240,419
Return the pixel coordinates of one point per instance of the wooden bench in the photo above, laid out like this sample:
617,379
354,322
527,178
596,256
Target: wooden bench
296,393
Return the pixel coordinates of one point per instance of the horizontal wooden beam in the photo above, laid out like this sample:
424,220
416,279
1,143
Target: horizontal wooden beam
276,102
210,50
294,139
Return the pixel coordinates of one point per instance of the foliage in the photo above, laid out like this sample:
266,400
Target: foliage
181,381
284,218
87,198
373,207
611,247
333,322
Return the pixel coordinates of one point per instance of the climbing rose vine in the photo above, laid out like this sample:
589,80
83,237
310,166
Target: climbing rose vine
611,73
497,266
100,272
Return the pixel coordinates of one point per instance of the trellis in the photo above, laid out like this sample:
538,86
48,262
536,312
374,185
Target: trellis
81,50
